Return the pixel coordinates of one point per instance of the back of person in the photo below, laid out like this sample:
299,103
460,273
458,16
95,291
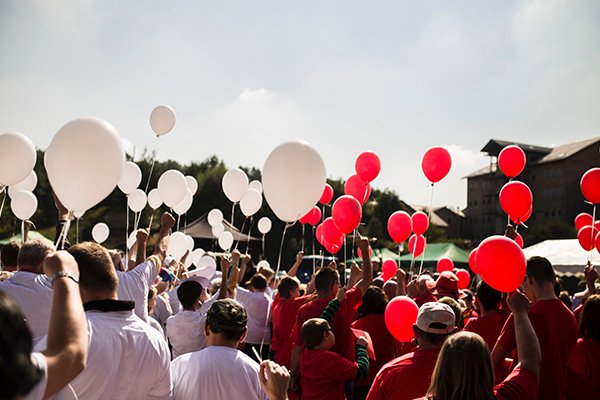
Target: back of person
257,305
185,332
134,285
383,344
487,326
283,316
127,359
323,373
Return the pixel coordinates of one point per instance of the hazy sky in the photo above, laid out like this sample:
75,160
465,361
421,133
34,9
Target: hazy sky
394,77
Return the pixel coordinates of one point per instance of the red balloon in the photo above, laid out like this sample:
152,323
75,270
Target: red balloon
388,269
445,264
516,199
319,234
522,219
420,222
327,194
598,241
511,161
306,217
360,252
501,263
464,278
357,188
587,236
332,248
590,185
416,244
367,166
582,220
400,315
519,240
346,213
331,232
399,226
436,164
472,263
315,216
597,225
368,194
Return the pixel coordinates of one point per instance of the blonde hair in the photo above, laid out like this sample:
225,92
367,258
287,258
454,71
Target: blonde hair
463,370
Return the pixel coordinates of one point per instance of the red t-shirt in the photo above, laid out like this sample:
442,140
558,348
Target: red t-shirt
322,374
428,298
557,331
283,317
487,326
383,344
521,384
583,370
344,340
406,377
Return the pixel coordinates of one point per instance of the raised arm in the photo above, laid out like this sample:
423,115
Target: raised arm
528,345
63,218
166,223
223,292
294,269
591,276
355,275
141,238
245,261
67,341
367,268
401,280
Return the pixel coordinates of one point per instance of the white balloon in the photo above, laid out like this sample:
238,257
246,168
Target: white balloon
235,184
225,240
162,120
172,187
196,254
256,185
132,238
263,264
154,199
100,232
217,230
293,178
136,200
177,245
184,205
190,244
23,204
27,184
251,202
215,217
17,158
264,225
131,178
84,162
206,267
188,262
78,214
192,184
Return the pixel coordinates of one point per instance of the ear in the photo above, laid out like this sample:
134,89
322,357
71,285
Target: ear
243,338
206,328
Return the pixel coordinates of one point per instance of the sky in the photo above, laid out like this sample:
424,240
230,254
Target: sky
393,77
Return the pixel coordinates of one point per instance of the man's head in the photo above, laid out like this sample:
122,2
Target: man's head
540,277
32,254
389,288
258,283
226,323
9,255
488,298
97,276
316,333
289,288
189,293
425,283
327,282
435,321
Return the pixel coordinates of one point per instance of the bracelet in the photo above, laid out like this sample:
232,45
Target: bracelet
64,274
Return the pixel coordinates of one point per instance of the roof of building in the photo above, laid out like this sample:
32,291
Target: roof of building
494,146
201,229
567,150
434,219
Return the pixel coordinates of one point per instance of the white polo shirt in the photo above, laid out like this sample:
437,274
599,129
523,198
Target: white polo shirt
33,294
135,284
215,373
257,305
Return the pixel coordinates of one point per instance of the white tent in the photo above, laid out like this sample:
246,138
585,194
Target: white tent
566,255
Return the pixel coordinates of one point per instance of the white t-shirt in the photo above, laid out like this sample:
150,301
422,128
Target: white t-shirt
33,294
37,393
162,309
186,332
257,305
134,286
127,359
216,373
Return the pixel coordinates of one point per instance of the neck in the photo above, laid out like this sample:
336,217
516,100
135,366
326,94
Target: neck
545,292
425,345
29,268
87,296
219,340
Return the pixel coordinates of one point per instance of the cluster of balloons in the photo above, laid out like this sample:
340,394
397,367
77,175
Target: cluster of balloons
224,238
237,189
175,190
588,231
401,224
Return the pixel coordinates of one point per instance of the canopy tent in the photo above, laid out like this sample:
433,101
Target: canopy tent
380,254
434,251
566,255
201,229
32,235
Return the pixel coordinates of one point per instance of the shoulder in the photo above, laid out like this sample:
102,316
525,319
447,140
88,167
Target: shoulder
520,384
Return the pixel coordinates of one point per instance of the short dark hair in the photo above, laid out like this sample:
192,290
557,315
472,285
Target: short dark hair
188,292
33,252
436,339
9,254
455,306
96,269
589,326
227,317
487,296
325,278
288,283
540,269
258,281
313,332
17,372
373,302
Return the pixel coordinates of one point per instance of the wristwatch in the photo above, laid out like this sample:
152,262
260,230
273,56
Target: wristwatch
64,274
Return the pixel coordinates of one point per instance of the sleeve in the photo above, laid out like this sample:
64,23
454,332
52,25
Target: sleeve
362,359
353,298
342,368
330,310
577,360
507,338
163,386
520,384
242,295
471,325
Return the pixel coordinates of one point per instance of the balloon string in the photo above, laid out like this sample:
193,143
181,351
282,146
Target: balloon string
60,241
593,231
77,230
178,219
249,230
22,231
3,200
302,237
345,261
281,247
263,246
237,243
136,219
151,167
313,250
127,235
429,223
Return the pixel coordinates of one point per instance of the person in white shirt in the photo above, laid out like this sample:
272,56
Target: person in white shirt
220,371
30,288
34,376
185,329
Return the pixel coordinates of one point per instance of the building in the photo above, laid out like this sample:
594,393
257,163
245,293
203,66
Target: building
552,174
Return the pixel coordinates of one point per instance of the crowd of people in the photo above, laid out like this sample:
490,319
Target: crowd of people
84,322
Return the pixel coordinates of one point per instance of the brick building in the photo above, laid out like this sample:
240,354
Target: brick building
552,174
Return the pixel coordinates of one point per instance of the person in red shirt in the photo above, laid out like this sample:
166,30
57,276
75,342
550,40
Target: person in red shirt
327,284
420,290
371,319
464,368
583,367
409,376
554,324
489,323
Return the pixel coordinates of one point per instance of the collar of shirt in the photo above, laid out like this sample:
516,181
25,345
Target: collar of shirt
108,305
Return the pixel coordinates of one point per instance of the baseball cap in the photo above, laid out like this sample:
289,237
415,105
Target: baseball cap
436,318
227,315
447,285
